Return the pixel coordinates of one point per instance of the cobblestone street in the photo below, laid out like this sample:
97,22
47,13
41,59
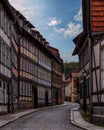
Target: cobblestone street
50,119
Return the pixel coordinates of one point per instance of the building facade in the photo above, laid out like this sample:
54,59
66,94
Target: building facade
68,85
89,47
71,87
57,81
74,85
13,92
6,25
44,79
26,64
44,71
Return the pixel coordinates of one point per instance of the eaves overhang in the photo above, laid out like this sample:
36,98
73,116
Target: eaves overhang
8,8
78,40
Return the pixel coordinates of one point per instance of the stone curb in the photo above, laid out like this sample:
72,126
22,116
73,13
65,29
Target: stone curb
73,122
27,113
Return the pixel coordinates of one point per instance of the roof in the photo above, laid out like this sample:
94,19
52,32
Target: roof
93,16
55,53
35,32
75,75
8,9
11,14
29,24
79,41
97,15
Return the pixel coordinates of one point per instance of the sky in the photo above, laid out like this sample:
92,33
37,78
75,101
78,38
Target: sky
59,21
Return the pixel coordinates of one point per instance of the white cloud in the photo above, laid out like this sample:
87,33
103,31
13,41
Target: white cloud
78,16
71,30
25,7
59,30
54,22
30,12
20,4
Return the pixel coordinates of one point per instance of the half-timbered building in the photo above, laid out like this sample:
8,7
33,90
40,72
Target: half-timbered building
44,71
57,70
25,63
8,59
90,49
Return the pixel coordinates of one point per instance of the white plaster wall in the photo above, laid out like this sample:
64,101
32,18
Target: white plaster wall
94,80
97,55
68,90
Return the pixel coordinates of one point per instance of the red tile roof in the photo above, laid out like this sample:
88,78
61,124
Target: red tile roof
97,15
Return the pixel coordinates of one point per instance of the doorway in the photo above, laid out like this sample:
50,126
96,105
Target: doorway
56,97
46,97
34,96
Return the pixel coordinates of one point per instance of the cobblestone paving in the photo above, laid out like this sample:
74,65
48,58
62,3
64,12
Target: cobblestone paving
50,119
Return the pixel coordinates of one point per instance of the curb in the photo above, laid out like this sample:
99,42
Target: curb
72,121
89,126
32,111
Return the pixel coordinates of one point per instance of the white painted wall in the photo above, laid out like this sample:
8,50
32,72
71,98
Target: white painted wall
68,90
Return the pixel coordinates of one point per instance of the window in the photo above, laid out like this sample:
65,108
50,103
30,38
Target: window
30,90
29,47
3,53
23,64
9,57
26,65
26,89
2,17
6,23
21,88
9,28
27,44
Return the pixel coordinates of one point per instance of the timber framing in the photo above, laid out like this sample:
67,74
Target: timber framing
93,31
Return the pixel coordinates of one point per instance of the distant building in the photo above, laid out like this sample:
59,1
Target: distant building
57,81
44,75
63,88
74,85
71,86
68,86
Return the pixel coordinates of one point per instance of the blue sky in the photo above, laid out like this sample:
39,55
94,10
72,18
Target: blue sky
59,21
